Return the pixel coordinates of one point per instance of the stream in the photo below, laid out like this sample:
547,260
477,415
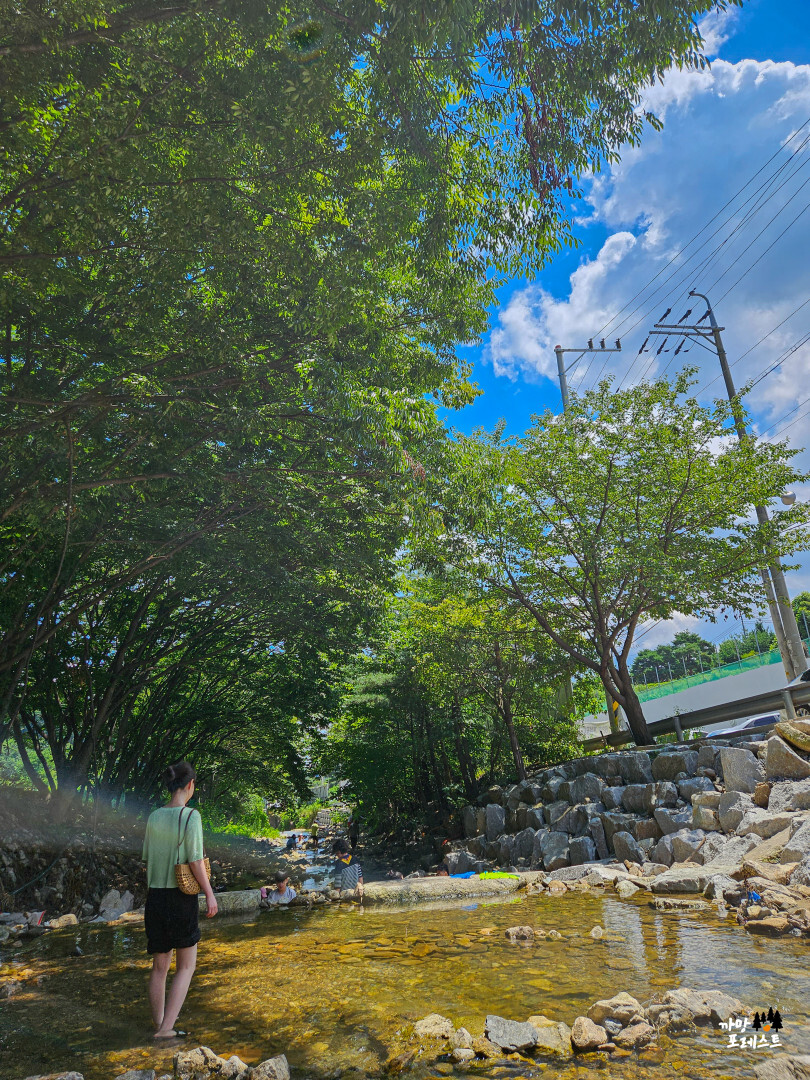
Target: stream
336,988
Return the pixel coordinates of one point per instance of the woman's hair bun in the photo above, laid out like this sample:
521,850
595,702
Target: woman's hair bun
179,775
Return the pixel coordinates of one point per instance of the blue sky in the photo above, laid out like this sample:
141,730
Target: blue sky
720,127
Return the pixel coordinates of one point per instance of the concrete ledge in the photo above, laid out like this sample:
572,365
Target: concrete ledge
421,890
234,903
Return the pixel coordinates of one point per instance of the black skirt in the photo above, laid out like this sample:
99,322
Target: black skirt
172,920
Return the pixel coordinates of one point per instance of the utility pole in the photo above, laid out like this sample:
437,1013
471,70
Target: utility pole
562,372
773,578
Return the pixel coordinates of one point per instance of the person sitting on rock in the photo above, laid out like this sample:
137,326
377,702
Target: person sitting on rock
292,843
348,872
280,893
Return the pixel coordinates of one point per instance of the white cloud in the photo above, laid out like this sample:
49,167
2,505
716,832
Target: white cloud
716,28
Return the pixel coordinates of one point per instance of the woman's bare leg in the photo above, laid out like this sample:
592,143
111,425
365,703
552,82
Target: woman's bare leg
186,961
161,962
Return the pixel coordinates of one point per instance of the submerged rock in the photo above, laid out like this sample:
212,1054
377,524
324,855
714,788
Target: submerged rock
434,1026
636,1035
784,1067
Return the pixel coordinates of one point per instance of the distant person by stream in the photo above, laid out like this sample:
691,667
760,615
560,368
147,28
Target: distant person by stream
354,831
348,872
313,835
173,836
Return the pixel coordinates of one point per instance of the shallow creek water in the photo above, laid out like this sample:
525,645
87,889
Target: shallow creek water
336,988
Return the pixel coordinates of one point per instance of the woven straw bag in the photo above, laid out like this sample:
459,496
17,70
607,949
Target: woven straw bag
186,882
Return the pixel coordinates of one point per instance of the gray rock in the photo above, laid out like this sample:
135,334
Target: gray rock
725,888
635,1035
506,846
535,818
626,848
670,821
58,1076
495,821
703,817
202,1062
728,851
662,793
461,1039
763,823
662,852
705,1006
460,1054
548,792
783,763
732,808
613,822
587,788
612,798
681,879
633,767
741,769
693,786
575,819
687,845
141,1074
530,793
646,829
510,1035
274,1068
634,798
524,844
790,795
582,849
481,821
469,821
555,810
597,832
494,794
457,862
625,889
801,875
537,849
707,756
521,817
798,846
554,847
668,766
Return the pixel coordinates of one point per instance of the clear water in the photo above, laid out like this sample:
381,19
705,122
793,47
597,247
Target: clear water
336,989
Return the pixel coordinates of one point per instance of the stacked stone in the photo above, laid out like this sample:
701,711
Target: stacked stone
705,805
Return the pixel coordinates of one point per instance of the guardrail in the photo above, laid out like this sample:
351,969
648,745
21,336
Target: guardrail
788,699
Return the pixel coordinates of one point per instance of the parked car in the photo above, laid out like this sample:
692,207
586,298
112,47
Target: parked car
738,727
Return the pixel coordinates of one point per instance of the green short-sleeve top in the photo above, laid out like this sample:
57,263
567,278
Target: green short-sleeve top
160,850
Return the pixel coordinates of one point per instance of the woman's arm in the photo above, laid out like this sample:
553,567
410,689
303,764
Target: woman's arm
198,870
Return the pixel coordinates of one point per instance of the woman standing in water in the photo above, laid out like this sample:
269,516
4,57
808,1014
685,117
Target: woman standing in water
173,835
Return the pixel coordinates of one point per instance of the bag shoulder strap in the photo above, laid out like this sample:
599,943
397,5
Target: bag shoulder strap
179,823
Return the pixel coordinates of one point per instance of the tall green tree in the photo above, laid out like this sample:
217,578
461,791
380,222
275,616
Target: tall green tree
632,505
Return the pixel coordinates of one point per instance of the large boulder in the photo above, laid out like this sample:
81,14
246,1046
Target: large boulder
554,848
742,771
801,874
798,846
764,823
694,786
550,788
510,1035
626,848
582,849
495,821
726,851
586,788
555,810
633,767
662,793
597,831
458,862
535,818
710,799
732,808
790,795
634,798
537,849
622,1008
586,1035
469,820
612,797
703,1006
530,792
670,821
687,878
575,819
524,844
782,762
635,1036
687,844
667,766
645,828
613,822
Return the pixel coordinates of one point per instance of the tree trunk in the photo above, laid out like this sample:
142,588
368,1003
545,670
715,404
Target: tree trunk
463,752
628,699
504,705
